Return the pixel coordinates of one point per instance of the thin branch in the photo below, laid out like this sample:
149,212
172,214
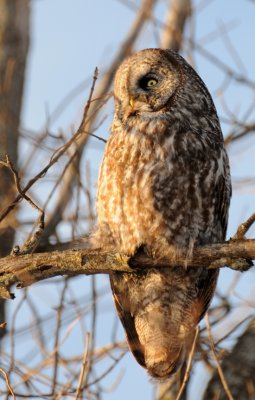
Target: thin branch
221,374
83,367
93,332
244,227
187,371
31,243
7,383
56,340
59,153
233,136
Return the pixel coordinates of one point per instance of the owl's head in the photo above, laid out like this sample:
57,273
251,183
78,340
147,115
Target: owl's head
154,83
147,80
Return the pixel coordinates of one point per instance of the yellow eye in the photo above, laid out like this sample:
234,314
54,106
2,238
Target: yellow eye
151,82
147,82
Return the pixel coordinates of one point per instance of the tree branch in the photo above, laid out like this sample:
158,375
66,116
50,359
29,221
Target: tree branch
176,18
14,44
25,270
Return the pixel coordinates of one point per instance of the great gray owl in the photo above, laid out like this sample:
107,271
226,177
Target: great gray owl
164,187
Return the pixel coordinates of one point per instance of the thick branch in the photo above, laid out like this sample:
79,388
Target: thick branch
14,43
27,269
176,18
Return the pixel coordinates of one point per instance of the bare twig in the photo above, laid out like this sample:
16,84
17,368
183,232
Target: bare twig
32,242
244,227
7,383
221,374
56,340
107,371
187,371
59,153
12,347
93,331
240,133
83,367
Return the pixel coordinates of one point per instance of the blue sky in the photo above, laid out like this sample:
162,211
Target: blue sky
69,38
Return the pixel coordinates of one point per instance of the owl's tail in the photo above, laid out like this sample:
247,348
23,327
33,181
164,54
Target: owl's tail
160,311
166,343
162,362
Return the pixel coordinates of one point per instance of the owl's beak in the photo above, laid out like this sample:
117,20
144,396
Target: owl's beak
131,109
131,102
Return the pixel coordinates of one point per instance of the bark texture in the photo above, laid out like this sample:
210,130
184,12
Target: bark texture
14,41
30,268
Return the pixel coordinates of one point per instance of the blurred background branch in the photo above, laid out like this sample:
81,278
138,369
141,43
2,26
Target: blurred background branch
14,43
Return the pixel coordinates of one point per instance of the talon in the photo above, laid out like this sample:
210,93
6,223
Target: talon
15,251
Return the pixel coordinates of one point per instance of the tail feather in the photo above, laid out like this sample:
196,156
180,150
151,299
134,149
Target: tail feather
159,311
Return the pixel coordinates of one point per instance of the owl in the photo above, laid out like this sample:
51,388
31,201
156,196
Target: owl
163,188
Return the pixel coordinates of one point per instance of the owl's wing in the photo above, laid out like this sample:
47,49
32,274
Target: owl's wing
208,279
223,190
206,285
122,305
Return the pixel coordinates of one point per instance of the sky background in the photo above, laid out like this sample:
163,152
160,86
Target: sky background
69,38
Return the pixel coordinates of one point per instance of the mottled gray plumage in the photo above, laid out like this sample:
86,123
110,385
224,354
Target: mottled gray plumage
164,186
